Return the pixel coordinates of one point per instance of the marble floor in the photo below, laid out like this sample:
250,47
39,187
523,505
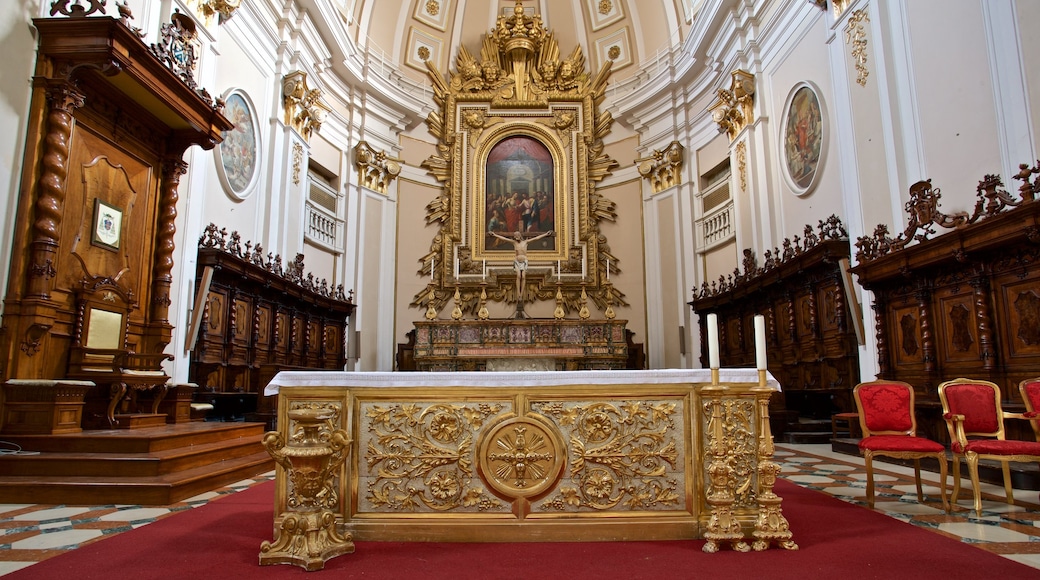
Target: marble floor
32,533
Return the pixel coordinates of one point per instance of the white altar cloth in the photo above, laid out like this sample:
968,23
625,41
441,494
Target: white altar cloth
289,379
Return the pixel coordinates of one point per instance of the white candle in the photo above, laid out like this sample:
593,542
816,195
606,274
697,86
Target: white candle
760,342
608,269
456,267
557,268
433,261
483,273
713,341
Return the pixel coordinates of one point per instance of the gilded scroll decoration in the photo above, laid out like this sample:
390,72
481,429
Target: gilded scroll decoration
519,86
734,108
663,167
304,109
856,35
420,457
622,454
376,169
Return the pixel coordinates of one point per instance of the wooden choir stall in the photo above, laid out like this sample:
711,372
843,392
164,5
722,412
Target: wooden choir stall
963,303
811,322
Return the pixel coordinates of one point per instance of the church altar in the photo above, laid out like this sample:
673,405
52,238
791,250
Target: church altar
528,344
524,456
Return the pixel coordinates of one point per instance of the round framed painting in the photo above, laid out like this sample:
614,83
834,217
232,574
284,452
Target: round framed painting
803,138
239,153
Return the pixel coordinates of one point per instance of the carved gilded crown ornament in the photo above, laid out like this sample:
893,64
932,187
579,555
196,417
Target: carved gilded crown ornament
376,169
304,109
520,151
734,108
663,168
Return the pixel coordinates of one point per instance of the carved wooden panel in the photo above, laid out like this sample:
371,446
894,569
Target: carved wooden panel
261,318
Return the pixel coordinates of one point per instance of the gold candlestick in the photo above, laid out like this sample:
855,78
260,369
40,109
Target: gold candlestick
584,313
559,313
456,313
431,312
482,313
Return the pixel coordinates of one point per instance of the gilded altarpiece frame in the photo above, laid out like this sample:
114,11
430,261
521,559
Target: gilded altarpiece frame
519,87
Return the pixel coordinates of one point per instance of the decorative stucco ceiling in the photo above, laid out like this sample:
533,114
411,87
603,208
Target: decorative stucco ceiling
628,32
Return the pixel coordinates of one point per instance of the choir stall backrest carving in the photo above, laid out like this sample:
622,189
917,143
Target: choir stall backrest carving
520,86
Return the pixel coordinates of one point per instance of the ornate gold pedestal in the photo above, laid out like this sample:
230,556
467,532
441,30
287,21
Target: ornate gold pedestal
307,535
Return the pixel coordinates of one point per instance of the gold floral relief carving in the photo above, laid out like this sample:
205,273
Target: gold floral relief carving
856,35
297,162
734,108
732,436
621,454
741,152
419,457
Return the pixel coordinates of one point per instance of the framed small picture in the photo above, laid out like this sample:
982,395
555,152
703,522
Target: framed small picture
108,225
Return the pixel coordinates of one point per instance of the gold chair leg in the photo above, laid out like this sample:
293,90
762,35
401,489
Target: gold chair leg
956,480
867,460
973,467
1006,468
917,479
942,480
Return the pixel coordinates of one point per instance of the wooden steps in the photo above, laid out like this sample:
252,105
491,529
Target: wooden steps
147,466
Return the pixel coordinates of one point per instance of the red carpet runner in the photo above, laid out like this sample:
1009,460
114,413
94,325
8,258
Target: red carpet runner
838,540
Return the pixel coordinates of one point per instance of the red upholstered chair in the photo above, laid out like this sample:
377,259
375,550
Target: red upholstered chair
976,422
1030,389
886,416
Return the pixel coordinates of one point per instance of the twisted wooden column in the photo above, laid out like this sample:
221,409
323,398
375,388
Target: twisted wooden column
984,322
63,99
165,228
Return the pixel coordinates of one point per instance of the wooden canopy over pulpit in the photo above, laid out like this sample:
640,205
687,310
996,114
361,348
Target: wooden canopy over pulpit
110,120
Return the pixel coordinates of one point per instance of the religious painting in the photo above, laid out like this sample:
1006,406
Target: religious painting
107,227
803,138
239,152
519,194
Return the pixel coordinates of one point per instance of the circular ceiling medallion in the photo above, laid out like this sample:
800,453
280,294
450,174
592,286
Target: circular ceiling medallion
521,456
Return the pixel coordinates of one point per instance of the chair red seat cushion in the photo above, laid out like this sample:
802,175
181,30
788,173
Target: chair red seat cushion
1006,447
901,443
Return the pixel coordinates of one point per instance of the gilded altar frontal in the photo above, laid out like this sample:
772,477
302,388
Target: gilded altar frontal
520,152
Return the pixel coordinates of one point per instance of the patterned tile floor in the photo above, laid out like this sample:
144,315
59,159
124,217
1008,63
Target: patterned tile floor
31,533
